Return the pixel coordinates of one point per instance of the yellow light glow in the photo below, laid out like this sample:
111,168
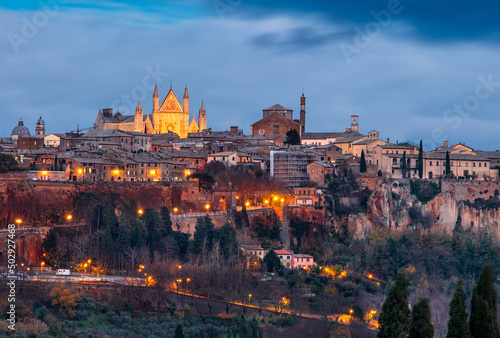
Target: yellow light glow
69,217
370,276
247,204
189,279
179,266
282,200
140,212
207,206
85,265
116,172
80,171
266,202
19,221
176,209
152,172
45,173
90,261
275,198
43,263
351,311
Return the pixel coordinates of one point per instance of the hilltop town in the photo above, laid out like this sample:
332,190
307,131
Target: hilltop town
283,221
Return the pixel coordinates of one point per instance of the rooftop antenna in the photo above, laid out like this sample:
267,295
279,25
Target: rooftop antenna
170,83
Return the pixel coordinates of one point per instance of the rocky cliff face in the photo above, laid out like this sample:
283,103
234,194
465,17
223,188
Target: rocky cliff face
391,205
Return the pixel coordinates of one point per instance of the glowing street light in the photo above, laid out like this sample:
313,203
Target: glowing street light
18,221
207,206
179,266
140,211
45,173
178,281
266,202
275,198
370,276
80,171
152,172
116,172
249,296
89,261
247,204
176,209
69,217
41,265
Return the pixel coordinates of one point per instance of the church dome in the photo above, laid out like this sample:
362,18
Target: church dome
20,129
40,121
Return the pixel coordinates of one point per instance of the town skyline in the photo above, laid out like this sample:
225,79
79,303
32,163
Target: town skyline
406,81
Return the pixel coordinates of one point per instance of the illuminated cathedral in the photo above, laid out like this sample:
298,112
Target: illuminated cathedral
169,116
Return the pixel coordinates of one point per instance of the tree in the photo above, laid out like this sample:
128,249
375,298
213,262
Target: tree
394,319
7,162
457,325
358,313
421,326
403,165
167,222
272,261
420,160
362,163
483,316
226,235
447,166
203,236
178,331
292,137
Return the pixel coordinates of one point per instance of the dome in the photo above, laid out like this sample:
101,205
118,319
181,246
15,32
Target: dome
40,121
20,129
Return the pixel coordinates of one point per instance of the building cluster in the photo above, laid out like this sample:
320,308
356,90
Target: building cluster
166,146
287,258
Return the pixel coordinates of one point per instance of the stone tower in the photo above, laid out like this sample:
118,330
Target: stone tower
40,127
202,117
156,99
354,123
302,114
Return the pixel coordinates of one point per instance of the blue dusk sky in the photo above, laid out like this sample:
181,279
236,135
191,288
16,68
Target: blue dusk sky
410,69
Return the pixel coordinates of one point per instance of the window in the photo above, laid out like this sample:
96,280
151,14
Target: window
287,257
451,163
473,164
479,163
485,165
430,163
444,162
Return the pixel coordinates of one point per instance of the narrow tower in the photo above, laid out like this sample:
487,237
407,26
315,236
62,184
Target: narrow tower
156,99
302,114
202,117
186,100
354,123
138,118
40,127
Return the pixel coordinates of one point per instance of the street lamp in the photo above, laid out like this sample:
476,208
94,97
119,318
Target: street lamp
249,296
207,206
85,266
41,266
69,217
187,284
176,209
90,261
18,221
140,211
178,281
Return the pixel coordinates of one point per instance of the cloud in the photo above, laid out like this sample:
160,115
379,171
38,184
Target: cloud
400,83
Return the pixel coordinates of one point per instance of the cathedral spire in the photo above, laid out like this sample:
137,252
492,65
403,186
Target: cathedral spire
156,100
138,110
202,117
185,102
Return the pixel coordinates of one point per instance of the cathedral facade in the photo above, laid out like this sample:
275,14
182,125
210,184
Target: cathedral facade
169,116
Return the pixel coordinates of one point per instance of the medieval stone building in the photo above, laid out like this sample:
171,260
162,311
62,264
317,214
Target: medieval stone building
278,120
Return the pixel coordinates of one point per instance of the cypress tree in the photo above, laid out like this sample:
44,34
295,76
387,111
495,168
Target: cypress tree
362,163
421,326
167,222
457,326
178,331
483,316
420,161
403,165
447,164
394,319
